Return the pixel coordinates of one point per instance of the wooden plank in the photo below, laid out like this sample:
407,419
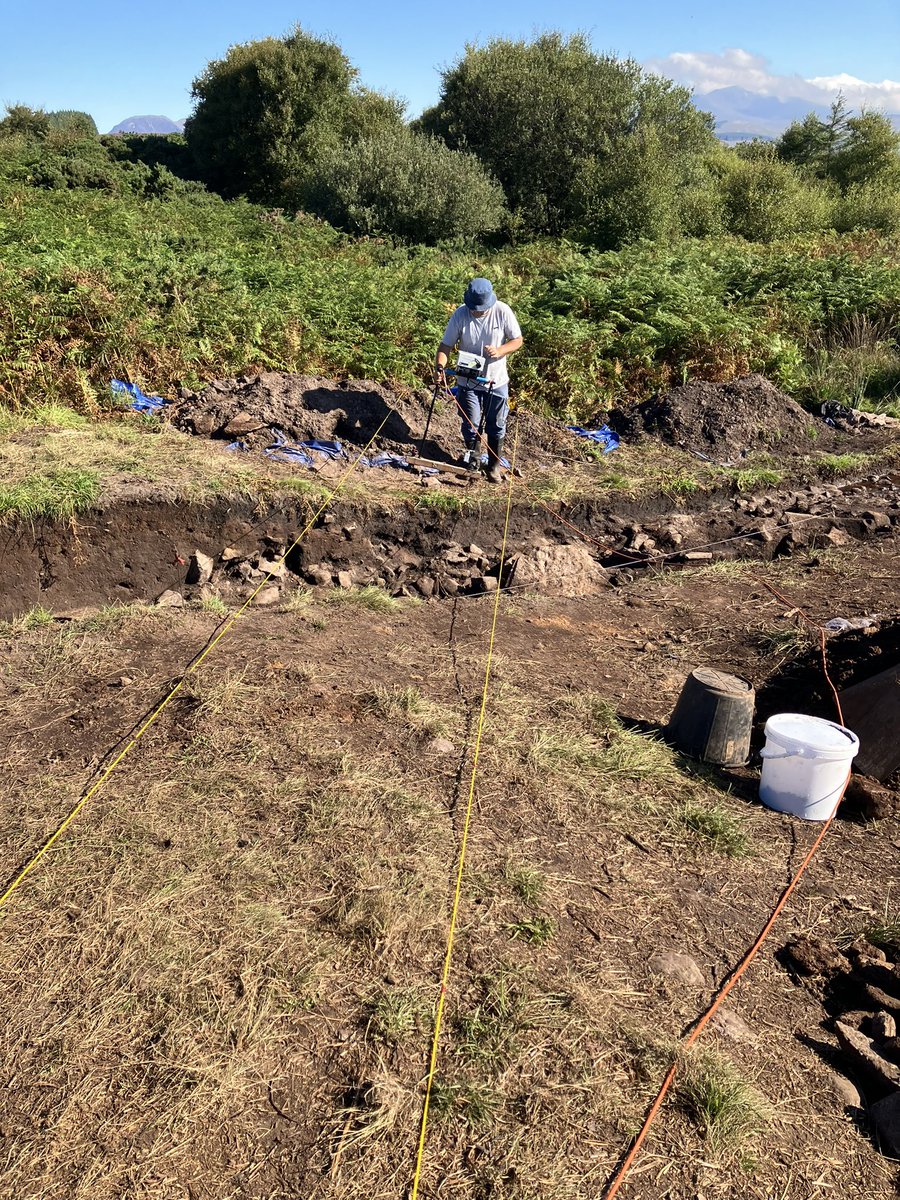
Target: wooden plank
872,710
450,468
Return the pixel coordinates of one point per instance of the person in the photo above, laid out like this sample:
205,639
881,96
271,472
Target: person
482,325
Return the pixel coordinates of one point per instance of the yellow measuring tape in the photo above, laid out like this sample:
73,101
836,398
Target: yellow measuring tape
166,701
454,912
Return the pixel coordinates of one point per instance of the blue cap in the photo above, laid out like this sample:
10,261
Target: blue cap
479,295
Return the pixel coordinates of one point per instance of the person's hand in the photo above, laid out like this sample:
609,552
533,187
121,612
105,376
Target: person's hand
440,376
492,351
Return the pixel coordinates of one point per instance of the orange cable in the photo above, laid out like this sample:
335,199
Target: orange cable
626,1164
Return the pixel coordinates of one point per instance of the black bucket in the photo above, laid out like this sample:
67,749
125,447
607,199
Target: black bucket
713,718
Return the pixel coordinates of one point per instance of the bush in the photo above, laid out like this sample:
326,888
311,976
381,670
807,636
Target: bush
552,120
766,199
407,185
270,110
871,206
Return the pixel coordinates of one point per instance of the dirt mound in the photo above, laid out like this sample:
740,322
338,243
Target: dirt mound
251,408
727,420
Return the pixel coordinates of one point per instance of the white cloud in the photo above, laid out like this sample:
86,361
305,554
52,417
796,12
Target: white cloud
739,68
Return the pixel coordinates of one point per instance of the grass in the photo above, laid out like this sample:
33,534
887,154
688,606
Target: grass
716,826
370,597
834,466
537,931
408,706
748,479
527,883
397,1014
279,899
37,617
728,1111
474,1104
55,495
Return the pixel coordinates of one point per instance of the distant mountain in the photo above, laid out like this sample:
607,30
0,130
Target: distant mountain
149,125
742,115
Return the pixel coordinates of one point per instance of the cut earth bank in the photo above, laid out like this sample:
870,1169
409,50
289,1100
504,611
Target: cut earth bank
777,481
235,950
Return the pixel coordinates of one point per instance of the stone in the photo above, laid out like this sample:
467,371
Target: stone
276,569
229,554
170,599
344,579
815,956
678,966
837,537
200,568
439,745
560,570
873,800
242,423
885,1118
697,555
267,596
876,520
319,574
731,1025
845,1092
863,1053
426,586
677,530
475,551
485,583
883,1026
449,587
882,1000
203,424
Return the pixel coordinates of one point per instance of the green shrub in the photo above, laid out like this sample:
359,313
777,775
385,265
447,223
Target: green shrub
874,205
267,113
766,199
407,185
551,120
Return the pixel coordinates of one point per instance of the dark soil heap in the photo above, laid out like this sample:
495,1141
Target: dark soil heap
727,420
252,408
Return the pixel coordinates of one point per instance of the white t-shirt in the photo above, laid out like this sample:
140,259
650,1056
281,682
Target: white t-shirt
472,334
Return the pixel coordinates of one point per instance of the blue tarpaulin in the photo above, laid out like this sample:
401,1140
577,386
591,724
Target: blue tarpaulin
139,402
603,436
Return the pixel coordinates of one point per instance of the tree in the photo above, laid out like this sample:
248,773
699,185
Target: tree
407,185
269,109
547,116
812,143
850,150
869,151
22,121
70,121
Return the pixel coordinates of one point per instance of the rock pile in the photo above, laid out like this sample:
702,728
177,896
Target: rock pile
860,986
347,558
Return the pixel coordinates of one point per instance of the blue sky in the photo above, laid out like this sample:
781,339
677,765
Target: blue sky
116,60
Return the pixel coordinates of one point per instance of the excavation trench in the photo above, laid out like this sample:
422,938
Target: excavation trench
134,549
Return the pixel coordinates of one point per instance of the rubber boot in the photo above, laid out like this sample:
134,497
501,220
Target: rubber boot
495,453
471,458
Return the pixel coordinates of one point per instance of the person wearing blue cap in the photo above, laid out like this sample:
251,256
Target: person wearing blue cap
482,325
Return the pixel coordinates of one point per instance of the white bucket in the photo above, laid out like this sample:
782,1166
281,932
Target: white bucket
806,762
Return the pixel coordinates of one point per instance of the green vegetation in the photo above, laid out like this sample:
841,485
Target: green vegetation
56,496
578,140
717,826
728,1110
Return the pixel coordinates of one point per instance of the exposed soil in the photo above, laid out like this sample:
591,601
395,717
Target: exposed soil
729,421
195,981
221,982
254,409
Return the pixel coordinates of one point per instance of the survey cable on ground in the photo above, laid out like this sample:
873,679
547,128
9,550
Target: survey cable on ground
227,624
